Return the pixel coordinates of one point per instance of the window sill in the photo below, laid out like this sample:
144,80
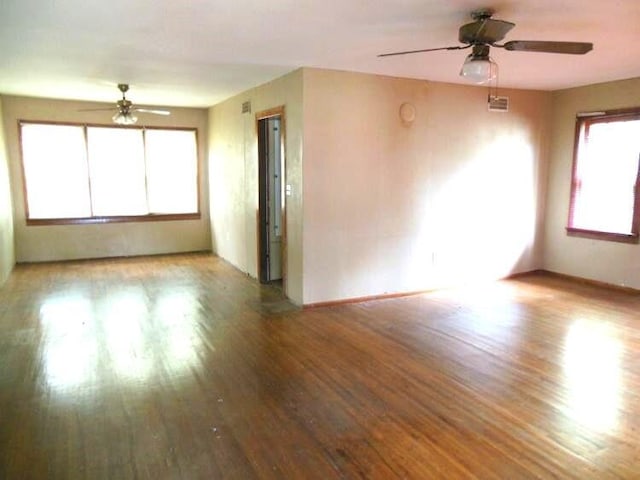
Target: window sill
607,236
116,219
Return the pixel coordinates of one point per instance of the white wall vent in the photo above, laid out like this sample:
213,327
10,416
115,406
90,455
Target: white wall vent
498,104
246,107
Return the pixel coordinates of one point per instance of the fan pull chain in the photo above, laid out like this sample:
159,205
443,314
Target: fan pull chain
495,79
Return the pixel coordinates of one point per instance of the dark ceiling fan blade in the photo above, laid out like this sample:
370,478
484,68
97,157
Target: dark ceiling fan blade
485,30
156,112
574,48
424,50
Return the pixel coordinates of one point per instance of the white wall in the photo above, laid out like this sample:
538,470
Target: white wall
7,252
233,176
65,242
456,196
604,261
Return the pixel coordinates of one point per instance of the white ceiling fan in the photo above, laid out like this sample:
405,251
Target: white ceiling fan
125,111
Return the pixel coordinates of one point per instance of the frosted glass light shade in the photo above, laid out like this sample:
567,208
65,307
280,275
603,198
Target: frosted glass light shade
478,69
124,118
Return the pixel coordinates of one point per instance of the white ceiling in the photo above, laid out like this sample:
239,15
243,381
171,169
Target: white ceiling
199,52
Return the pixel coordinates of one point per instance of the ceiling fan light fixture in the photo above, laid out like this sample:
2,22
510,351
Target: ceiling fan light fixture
124,118
478,69
486,32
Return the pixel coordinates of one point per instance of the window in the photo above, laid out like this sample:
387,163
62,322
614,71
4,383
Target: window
87,174
604,187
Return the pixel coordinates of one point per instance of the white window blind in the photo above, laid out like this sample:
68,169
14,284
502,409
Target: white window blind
85,172
172,171
117,171
605,176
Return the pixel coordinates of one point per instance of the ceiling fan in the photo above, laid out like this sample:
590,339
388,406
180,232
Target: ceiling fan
485,32
125,109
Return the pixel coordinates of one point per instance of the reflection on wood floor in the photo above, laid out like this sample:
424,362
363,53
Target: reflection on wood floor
182,367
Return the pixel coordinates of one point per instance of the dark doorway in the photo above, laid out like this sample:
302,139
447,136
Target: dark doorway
271,233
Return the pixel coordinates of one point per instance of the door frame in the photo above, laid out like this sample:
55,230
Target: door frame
263,115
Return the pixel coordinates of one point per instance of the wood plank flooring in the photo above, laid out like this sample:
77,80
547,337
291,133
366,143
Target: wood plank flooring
180,367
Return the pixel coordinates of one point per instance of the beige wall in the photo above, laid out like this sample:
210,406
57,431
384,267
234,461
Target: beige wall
455,196
44,243
604,261
233,171
388,207
7,253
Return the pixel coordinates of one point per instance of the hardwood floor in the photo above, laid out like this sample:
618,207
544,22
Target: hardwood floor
182,367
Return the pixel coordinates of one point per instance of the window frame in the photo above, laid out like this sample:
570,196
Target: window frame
587,120
151,217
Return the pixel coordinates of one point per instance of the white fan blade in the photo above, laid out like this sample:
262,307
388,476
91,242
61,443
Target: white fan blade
156,112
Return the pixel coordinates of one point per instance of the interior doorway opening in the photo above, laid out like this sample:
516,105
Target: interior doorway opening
271,216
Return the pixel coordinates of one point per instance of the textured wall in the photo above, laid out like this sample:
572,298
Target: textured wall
233,172
7,252
379,205
390,207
